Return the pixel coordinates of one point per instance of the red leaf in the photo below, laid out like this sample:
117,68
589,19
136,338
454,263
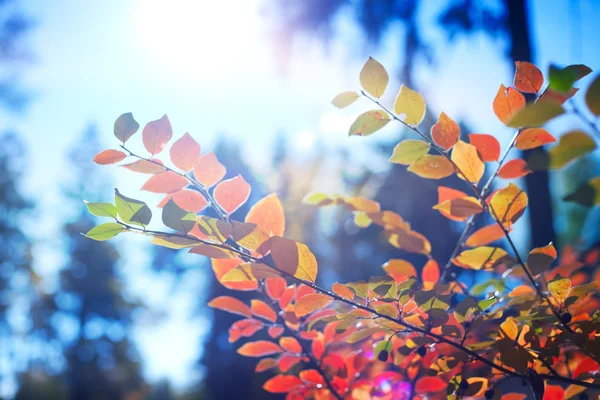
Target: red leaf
165,182
287,297
232,193
275,287
230,304
287,361
185,152
282,384
261,309
487,146
553,392
430,384
430,274
532,138
275,331
244,328
516,168
259,348
268,213
290,344
265,364
156,134
189,200
445,133
208,170
507,102
528,78
109,157
318,347
145,167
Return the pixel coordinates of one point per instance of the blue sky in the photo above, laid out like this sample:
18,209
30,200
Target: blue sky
211,67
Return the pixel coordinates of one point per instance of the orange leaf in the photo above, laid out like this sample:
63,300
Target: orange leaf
430,274
250,236
468,162
342,291
507,102
446,193
508,204
513,169
261,309
259,348
528,78
432,167
268,213
460,208
294,258
541,258
265,364
430,384
487,146
208,170
445,133
532,138
165,182
184,152
145,167
230,304
282,384
275,331
482,257
222,266
311,302
156,134
400,270
275,287
408,240
189,200
244,328
290,344
232,193
484,236
287,361
109,157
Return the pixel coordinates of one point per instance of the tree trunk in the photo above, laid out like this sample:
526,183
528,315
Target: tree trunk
537,183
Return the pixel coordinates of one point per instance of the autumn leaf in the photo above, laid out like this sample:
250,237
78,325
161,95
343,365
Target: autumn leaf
282,384
232,305
214,229
408,151
468,162
259,348
445,132
369,123
374,78
560,289
484,236
571,146
184,152
400,270
528,78
177,218
535,114
430,274
261,309
125,127
432,167
507,103
250,236
132,211
222,267
232,193
342,291
244,328
109,157
294,258
189,200
411,104
145,167
156,134
311,302
208,170
540,259
275,287
508,204
460,208
487,146
409,240
482,257
343,100
532,138
592,96
165,182
513,169
268,213
430,384
446,193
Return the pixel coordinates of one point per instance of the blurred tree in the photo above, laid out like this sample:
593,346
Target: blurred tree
95,316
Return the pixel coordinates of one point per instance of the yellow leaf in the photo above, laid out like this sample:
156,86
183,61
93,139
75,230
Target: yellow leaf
432,167
483,258
467,160
571,145
374,78
560,289
368,123
411,104
536,114
509,329
408,151
216,229
508,204
461,207
294,258
408,240
311,302
592,96
344,99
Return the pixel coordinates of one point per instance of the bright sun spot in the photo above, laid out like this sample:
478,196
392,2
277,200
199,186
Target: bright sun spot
198,37
304,140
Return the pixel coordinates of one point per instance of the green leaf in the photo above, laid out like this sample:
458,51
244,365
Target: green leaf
132,211
408,151
374,78
561,79
571,145
536,114
105,231
479,289
174,242
102,209
587,195
177,218
343,100
369,122
125,127
592,96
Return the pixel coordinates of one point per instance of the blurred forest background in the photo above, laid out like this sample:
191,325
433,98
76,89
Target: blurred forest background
122,320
